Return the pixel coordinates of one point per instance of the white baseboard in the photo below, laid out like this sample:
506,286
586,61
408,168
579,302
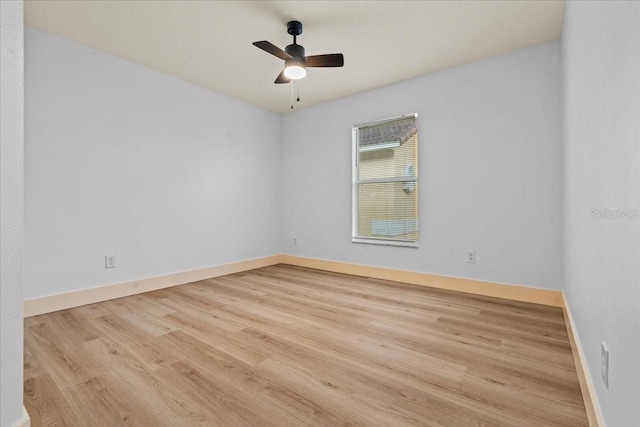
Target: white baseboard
478,287
25,421
594,416
51,303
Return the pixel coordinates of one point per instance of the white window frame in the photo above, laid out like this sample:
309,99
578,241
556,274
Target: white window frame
355,238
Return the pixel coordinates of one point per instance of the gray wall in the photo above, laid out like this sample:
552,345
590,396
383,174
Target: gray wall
11,211
601,85
123,160
489,165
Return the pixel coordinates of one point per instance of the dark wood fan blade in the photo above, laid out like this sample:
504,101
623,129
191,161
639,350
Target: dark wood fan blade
272,49
282,78
329,60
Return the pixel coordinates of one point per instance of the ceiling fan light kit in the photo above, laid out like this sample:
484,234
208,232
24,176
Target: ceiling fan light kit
295,61
294,69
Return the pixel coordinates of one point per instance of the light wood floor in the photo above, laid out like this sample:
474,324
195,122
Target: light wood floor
287,346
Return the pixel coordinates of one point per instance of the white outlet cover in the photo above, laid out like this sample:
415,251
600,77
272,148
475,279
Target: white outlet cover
605,364
471,257
109,261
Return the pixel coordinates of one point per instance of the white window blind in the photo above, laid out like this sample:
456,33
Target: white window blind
385,182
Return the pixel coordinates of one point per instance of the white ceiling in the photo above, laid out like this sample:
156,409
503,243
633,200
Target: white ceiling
209,42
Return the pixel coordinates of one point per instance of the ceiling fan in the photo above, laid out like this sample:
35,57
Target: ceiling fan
295,62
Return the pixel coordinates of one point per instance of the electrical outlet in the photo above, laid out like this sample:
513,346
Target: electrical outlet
471,257
295,242
109,261
605,364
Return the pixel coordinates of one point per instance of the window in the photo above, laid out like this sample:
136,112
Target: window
385,182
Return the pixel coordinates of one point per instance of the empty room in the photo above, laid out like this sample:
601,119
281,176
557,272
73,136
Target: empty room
320,213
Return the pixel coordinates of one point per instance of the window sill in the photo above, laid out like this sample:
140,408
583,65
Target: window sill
384,242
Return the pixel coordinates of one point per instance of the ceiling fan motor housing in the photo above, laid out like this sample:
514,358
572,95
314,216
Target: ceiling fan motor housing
295,50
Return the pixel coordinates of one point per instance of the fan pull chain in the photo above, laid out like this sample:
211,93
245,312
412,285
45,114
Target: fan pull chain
298,91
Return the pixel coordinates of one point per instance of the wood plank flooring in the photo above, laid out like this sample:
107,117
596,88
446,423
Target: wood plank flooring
288,346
